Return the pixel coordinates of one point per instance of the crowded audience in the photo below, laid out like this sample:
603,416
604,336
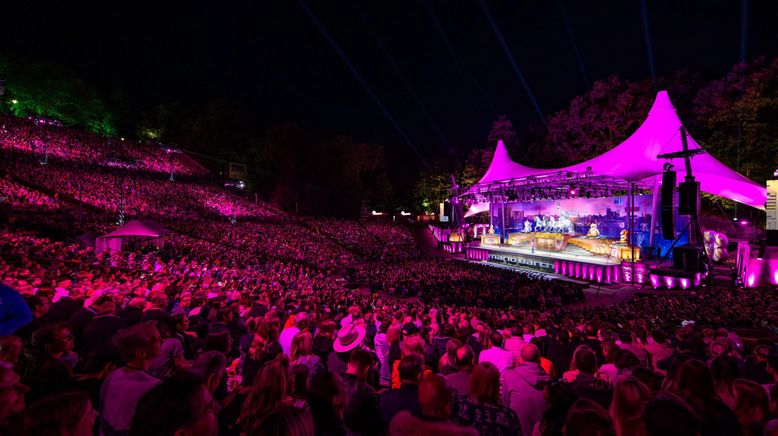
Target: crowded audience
245,321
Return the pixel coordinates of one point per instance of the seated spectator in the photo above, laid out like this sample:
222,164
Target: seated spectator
10,351
178,405
725,371
11,397
138,345
42,367
695,386
211,368
66,413
629,398
751,407
287,420
666,414
482,408
586,384
587,418
406,397
99,330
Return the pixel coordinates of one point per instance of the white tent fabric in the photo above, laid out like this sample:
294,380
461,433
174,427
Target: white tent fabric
138,229
635,160
133,229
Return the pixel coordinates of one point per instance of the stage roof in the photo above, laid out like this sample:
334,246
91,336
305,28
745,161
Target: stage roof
634,160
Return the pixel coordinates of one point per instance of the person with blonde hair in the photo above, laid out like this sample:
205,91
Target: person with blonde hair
629,400
752,407
272,388
411,345
302,353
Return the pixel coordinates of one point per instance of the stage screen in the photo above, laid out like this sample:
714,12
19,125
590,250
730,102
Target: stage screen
575,215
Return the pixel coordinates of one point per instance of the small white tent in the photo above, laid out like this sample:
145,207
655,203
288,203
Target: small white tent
133,230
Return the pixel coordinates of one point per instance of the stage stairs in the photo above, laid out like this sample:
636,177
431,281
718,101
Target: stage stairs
722,275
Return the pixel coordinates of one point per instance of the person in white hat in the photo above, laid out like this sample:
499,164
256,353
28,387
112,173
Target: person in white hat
348,338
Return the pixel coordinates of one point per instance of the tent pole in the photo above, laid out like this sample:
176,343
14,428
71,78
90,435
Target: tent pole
631,238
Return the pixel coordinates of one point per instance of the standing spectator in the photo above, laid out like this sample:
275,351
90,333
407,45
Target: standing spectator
302,354
407,396
287,335
14,312
482,408
495,355
460,380
725,371
659,349
361,414
138,345
524,386
328,399
349,338
10,350
322,342
68,413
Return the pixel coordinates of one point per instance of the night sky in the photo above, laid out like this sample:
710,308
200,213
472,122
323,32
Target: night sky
440,57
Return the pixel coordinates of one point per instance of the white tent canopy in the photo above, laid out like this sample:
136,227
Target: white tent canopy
635,160
133,229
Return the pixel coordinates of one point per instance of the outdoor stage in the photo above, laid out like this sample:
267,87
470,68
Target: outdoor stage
573,262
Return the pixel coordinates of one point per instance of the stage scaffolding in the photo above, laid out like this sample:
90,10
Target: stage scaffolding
559,185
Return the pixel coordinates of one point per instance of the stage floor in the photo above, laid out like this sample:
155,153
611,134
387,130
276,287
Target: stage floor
572,253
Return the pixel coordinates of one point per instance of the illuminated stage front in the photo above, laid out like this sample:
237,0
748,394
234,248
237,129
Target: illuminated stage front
574,262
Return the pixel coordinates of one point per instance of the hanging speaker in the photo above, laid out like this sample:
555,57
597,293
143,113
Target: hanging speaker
668,214
689,198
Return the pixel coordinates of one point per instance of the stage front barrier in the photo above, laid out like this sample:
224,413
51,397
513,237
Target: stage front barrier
474,252
605,274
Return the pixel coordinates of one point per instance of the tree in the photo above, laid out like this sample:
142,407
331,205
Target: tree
54,92
737,117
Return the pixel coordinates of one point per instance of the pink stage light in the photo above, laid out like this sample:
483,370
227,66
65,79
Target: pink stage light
654,281
685,283
641,279
751,280
670,282
775,277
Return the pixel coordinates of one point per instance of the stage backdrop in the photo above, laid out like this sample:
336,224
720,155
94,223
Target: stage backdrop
609,214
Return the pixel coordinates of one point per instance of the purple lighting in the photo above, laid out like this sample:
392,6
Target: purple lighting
636,160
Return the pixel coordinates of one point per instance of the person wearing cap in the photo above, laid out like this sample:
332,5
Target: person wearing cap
348,338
